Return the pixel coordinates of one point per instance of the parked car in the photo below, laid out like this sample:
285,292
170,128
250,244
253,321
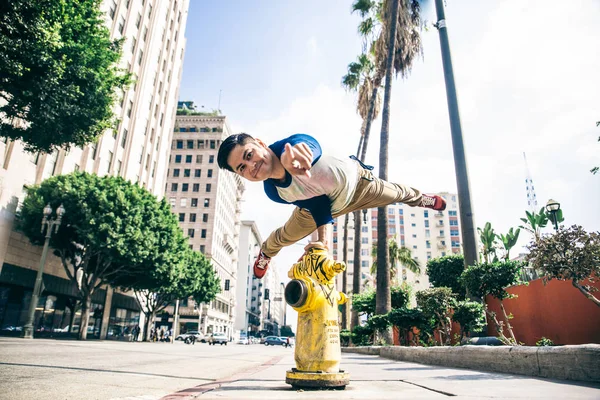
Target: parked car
274,341
243,340
218,338
199,336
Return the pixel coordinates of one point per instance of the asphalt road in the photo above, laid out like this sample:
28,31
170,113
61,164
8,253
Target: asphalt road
56,369
69,369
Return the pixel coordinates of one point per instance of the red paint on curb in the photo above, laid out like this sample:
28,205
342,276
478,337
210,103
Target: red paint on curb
196,391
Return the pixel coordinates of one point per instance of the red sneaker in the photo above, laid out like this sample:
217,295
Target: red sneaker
433,201
261,265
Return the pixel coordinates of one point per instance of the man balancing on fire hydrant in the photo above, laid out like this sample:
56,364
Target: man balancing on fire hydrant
295,171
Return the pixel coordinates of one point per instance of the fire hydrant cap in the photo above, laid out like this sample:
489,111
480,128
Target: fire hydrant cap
296,293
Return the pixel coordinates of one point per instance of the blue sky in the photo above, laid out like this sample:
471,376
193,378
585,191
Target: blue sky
527,79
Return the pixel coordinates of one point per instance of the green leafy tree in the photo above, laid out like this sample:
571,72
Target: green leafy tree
509,241
445,272
492,279
569,254
364,303
59,73
286,331
438,303
487,236
471,317
112,231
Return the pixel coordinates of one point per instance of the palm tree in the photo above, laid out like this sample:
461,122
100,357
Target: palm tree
488,240
398,255
396,49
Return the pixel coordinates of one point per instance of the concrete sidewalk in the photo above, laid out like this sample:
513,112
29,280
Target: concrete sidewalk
372,377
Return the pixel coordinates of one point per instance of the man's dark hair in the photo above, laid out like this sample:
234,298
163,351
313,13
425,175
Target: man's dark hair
228,144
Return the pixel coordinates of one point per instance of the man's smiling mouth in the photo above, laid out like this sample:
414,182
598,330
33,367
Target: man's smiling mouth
257,169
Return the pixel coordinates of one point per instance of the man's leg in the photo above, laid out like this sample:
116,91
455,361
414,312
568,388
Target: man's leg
300,225
372,192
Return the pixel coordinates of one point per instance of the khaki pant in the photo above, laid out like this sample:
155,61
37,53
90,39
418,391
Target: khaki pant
371,192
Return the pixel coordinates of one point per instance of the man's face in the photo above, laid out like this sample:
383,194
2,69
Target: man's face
252,161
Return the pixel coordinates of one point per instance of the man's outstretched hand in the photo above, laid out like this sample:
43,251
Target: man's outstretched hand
297,159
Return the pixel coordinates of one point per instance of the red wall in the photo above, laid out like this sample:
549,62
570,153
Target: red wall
557,311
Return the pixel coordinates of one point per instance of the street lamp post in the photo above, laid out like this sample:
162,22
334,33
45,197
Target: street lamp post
50,224
552,207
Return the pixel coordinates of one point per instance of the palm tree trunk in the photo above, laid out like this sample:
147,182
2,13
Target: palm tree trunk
357,265
369,122
383,303
345,274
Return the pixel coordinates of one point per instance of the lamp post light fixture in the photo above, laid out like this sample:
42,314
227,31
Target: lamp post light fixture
50,224
552,207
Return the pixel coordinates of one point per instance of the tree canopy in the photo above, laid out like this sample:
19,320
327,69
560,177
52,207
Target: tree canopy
445,272
570,254
59,73
115,232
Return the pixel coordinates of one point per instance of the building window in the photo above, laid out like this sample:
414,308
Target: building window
391,211
124,138
206,202
192,217
427,244
141,55
213,144
441,233
176,173
138,20
173,201
194,203
112,10
209,173
184,187
186,173
211,159
203,234
180,144
364,240
183,202
191,232
200,144
188,158
178,159
181,217
202,248
204,217
427,223
190,144
197,173
196,187
208,187
199,158
364,229
426,213
121,25
173,187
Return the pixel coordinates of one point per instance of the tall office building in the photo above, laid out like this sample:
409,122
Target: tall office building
427,233
207,201
137,150
247,314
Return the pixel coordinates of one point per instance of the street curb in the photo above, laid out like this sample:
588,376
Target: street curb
576,363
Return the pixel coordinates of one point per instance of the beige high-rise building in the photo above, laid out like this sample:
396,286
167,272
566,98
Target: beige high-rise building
207,202
137,150
427,233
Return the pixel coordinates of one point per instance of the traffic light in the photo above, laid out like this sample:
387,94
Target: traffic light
226,285
266,294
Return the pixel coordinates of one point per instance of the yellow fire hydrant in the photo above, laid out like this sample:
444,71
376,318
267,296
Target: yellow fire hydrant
312,293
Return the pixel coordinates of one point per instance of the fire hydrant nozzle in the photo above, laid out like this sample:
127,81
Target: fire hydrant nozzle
312,293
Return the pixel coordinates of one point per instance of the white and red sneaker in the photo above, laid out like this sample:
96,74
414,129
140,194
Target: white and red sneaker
433,201
261,265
